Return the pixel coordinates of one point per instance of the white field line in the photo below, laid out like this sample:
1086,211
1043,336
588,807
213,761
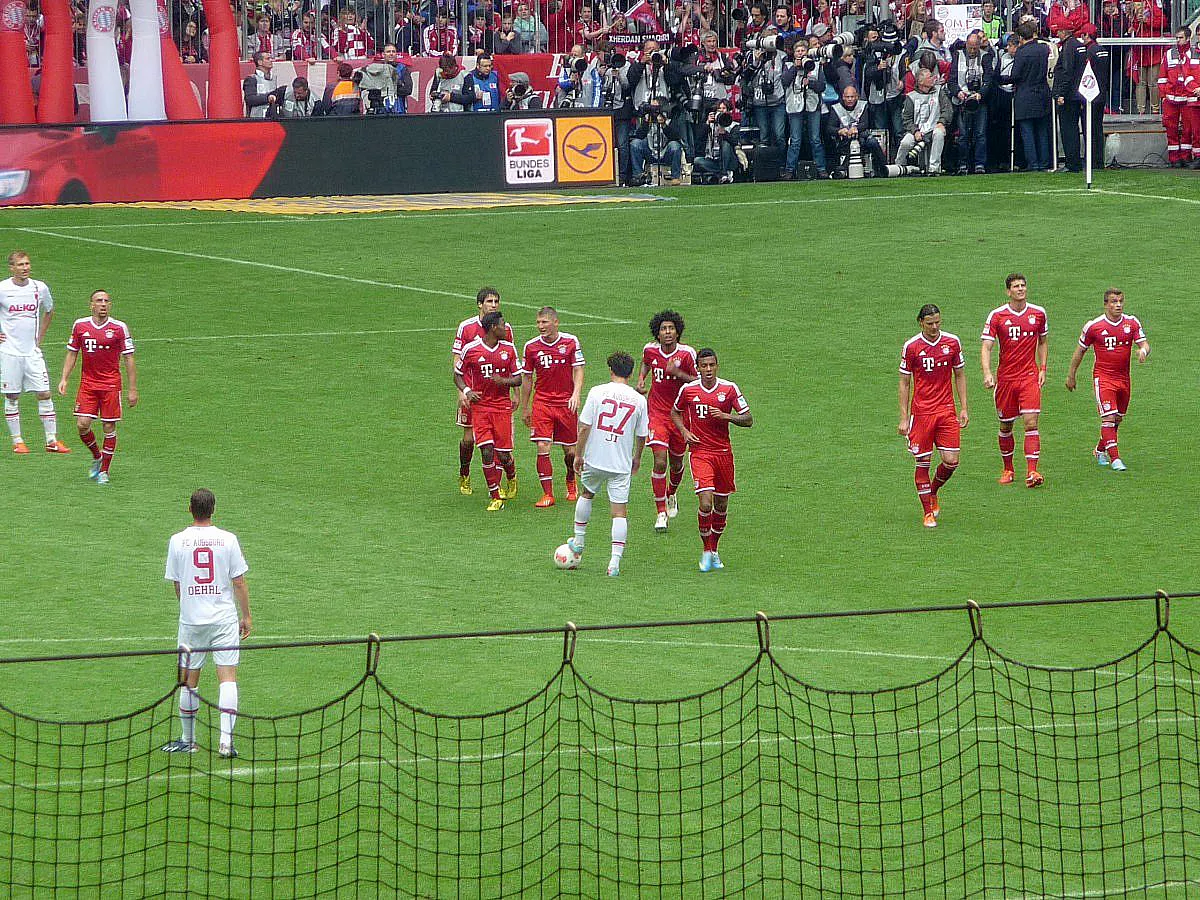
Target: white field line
373,762
605,207
294,271
316,334
1146,196
1140,889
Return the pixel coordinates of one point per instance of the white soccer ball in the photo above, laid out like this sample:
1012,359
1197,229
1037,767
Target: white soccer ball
566,558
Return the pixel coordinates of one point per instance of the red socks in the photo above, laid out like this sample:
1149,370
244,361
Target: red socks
658,484
465,449
1008,445
491,474
106,455
1108,439
924,488
1033,446
676,477
545,470
942,475
89,441
718,527
706,535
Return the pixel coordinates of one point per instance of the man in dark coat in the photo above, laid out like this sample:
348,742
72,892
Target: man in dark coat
1031,96
1072,55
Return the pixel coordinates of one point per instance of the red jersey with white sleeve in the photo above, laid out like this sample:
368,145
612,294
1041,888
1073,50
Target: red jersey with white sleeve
472,329
440,41
694,402
552,366
479,362
664,387
352,42
1112,343
1016,334
101,347
931,364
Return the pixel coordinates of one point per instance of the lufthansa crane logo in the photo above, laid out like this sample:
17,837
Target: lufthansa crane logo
585,149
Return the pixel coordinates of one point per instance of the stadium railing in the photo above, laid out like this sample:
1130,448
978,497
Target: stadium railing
992,777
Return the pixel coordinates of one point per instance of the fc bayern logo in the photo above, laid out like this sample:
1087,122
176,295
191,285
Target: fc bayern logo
13,18
104,19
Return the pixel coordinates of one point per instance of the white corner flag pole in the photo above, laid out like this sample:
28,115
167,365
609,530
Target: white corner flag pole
1089,90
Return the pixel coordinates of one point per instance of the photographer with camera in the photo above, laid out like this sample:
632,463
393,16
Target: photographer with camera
804,83
846,130
610,72
762,89
882,85
655,140
572,92
926,116
652,78
481,87
708,75
715,156
520,93
298,104
259,91
446,86
972,72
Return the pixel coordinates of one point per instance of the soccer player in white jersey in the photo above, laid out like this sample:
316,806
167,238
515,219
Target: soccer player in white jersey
26,310
612,432
208,569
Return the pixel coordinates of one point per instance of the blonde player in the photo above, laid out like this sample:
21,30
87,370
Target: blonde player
26,309
209,571
612,432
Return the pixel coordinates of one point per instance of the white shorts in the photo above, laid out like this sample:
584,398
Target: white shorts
19,374
220,634
617,485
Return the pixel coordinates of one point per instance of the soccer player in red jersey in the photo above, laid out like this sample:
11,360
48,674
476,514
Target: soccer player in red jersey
702,413
488,300
931,373
484,374
669,365
552,376
1112,337
1018,330
105,343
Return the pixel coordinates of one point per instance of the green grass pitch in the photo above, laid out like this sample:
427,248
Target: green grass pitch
299,368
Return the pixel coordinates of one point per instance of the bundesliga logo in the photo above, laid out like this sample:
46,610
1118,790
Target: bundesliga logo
104,19
14,16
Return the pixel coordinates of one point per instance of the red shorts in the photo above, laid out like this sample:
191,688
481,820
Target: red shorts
464,414
939,429
713,472
102,403
553,423
663,433
1016,397
1112,397
492,426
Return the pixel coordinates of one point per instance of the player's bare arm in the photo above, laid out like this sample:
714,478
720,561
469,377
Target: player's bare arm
577,381
468,395
1043,358
508,381
742,420
526,396
639,444
985,359
68,368
131,377
905,399
1076,359
581,442
47,318
642,372
677,418
960,388
1143,350
241,593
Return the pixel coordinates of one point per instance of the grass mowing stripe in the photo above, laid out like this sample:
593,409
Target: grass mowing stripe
295,271
313,334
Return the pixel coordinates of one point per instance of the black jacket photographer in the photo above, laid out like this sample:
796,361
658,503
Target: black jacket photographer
612,71
653,78
880,73
707,76
259,90
972,80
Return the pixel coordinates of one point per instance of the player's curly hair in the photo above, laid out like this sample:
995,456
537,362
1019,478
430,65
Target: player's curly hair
667,315
491,320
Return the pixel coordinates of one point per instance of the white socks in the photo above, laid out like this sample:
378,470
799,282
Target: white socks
620,529
227,702
583,512
12,415
49,422
189,702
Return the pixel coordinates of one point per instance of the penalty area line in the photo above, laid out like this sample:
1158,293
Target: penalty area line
190,254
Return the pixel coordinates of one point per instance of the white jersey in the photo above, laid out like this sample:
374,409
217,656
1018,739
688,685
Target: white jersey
21,308
203,560
616,415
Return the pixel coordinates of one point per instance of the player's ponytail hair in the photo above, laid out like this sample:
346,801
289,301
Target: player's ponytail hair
929,309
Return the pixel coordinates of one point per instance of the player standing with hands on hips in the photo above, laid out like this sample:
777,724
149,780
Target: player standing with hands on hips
703,412
208,569
613,426
1112,337
930,364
